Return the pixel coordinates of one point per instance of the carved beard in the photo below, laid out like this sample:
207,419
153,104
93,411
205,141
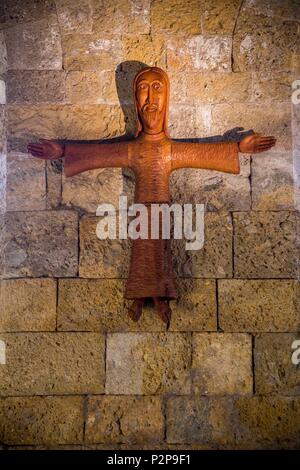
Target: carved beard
151,118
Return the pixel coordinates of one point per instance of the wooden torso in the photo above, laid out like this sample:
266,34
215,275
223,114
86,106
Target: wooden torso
151,162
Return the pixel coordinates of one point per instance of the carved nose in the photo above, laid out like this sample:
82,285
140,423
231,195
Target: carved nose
149,98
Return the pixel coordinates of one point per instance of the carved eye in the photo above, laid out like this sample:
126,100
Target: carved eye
157,86
142,86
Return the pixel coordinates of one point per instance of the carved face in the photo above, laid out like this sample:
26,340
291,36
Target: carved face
151,95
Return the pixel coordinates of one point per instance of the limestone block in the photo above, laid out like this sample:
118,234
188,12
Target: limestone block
26,183
199,53
222,364
148,363
258,305
28,305
41,244
214,259
34,45
52,363
36,86
121,16
265,244
176,16
272,181
241,423
275,372
127,420
41,420
102,258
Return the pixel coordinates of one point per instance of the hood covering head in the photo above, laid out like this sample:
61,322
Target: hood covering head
165,76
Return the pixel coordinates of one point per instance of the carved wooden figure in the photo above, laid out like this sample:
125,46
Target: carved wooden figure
152,155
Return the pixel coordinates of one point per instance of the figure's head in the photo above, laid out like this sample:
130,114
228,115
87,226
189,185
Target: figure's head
151,98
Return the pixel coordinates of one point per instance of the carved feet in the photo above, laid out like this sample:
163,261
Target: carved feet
161,307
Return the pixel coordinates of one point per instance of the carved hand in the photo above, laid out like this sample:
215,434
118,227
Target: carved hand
47,149
256,143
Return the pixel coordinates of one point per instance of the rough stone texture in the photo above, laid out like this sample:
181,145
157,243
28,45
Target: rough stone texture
54,185
34,45
210,88
265,244
2,186
218,16
258,305
3,54
150,50
119,419
128,16
263,42
85,87
26,183
199,53
274,119
91,52
216,190
41,420
215,258
89,189
86,122
272,181
23,11
242,423
272,86
289,9
222,364
94,87
3,130
28,305
268,423
40,244
74,17
101,258
195,309
36,86
274,371
176,16
221,88
98,305
52,363
2,92
187,123
148,363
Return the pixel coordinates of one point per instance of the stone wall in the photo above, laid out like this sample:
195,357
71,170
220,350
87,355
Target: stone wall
78,372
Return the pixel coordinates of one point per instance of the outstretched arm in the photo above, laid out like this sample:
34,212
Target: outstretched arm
221,156
82,157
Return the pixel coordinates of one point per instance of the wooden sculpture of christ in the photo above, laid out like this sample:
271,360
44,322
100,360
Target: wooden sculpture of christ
152,155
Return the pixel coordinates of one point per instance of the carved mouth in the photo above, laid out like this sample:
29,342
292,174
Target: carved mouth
150,107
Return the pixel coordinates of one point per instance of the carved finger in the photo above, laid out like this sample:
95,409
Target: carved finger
267,144
264,148
37,154
37,147
268,141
